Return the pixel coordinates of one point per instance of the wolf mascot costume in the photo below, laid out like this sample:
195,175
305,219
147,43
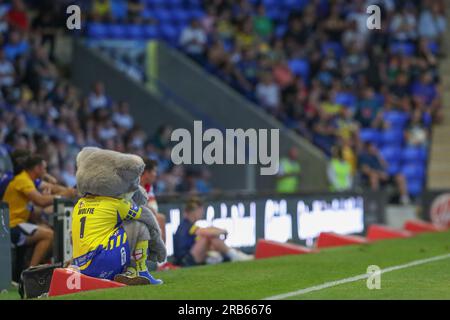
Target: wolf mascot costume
113,232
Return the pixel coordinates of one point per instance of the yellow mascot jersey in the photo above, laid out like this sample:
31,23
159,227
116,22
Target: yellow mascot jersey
95,219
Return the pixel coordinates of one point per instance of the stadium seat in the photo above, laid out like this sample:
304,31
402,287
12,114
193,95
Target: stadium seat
155,3
396,119
413,171
117,31
97,30
370,135
299,67
163,15
405,48
419,226
336,47
61,280
133,31
415,187
392,137
267,249
380,232
180,16
391,154
150,32
195,13
330,239
169,33
412,155
119,9
346,99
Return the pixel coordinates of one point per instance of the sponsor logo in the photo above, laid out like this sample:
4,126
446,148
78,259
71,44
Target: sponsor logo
440,210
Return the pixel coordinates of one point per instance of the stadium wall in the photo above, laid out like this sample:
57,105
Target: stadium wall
229,109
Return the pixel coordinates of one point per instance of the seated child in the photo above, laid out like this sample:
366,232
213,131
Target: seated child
192,244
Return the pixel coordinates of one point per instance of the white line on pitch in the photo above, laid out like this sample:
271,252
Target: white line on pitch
355,278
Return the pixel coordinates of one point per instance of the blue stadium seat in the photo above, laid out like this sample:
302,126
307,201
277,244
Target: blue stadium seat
434,47
397,119
150,32
405,48
155,3
271,3
169,33
117,31
280,30
391,154
346,99
148,14
415,187
119,9
175,3
413,172
370,135
194,4
293,5
300,67
134,31
180,16
97,30
163,15
336,47
392,137
195,13
411,155
393,168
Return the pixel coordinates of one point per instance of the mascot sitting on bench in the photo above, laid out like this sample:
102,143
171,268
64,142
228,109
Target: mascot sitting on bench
113,232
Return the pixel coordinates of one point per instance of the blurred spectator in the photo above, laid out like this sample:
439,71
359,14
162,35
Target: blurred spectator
432,21
17,15
373,168
288,179
268,93
97,98
416,133
195,246
20,191
339,171
193,40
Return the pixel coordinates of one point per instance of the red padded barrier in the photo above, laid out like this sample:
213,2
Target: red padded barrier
66,281
267,249
380,232
330,239
419,226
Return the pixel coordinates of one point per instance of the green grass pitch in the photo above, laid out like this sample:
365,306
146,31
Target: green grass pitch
267,277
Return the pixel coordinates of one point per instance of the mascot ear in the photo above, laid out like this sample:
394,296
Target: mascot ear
130,168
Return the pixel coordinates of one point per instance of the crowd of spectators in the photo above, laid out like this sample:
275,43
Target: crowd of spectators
320,70
42,112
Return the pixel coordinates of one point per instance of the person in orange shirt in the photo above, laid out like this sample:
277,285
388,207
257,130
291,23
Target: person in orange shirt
21,194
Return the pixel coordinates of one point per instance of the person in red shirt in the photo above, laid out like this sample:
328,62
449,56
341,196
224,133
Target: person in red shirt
148,178
17,17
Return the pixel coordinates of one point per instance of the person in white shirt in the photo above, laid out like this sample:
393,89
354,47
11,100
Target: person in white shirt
432,23
7,71
268,93
193,40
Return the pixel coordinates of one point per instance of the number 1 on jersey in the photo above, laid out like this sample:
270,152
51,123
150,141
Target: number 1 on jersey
82,225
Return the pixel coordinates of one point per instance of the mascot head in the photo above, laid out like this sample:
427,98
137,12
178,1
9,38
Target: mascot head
108,173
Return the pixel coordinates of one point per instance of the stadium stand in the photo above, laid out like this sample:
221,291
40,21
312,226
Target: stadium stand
42,111
315,66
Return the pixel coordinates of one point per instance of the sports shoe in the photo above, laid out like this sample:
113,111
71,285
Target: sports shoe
131,278
236,255
149,277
